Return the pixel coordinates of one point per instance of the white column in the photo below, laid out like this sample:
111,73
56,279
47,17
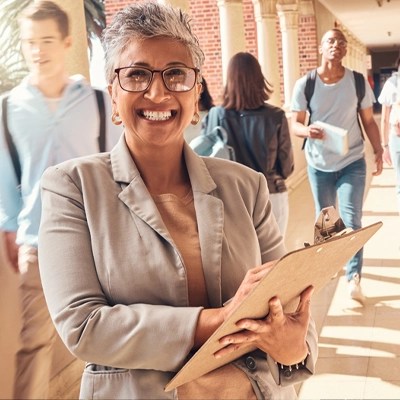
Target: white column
232,31
265,16
288,20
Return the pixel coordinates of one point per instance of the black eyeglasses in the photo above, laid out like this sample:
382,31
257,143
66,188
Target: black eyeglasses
138,79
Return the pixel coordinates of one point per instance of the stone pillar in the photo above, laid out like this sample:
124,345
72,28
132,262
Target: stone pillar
265,16
78,59
232,31
288,20
182,4
362,59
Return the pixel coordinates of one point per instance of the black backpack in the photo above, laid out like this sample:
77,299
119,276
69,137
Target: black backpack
10,143
310,86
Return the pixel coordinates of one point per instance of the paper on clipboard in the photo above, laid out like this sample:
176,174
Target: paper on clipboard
311,265
336,139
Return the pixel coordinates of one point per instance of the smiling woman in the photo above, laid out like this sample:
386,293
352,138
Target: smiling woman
151,238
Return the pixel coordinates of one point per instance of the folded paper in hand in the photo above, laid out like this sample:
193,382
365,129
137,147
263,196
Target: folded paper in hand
336,139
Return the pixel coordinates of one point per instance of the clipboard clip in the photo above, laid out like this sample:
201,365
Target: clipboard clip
328,225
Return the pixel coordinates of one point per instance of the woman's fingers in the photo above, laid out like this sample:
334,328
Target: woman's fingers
305,299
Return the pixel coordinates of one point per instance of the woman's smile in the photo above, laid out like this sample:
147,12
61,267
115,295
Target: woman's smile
157,115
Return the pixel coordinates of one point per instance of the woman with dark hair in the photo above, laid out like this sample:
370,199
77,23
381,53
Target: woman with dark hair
257,131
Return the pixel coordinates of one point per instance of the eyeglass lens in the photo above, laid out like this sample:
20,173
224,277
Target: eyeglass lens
176,79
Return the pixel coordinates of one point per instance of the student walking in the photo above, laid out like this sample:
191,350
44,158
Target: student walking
333,176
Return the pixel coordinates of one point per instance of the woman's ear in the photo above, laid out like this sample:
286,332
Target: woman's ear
109,87
199,89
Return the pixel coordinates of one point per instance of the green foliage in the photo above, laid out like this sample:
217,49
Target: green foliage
12,64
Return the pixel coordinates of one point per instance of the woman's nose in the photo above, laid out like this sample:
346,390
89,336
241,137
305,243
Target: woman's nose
157,92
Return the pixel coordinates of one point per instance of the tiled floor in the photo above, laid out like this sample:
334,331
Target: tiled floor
359,347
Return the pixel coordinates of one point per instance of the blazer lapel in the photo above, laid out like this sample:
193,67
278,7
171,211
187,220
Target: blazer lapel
210,222
134,192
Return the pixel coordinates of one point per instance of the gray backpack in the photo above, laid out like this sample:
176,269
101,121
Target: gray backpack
213,139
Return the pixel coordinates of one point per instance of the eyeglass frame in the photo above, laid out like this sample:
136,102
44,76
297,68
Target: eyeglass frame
340,41
153,71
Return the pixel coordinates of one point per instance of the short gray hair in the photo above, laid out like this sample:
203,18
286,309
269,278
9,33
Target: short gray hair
145,20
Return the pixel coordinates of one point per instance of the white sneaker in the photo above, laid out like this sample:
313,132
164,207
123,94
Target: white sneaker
355,289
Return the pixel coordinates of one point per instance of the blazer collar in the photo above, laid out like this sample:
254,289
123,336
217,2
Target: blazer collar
124,169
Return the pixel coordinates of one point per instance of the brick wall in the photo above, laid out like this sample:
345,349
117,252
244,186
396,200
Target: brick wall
205,24
250,30
308,44
112,6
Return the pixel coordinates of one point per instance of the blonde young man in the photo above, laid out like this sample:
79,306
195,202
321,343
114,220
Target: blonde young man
51,117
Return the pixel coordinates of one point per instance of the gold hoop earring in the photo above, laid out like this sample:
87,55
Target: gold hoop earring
195,119
116,120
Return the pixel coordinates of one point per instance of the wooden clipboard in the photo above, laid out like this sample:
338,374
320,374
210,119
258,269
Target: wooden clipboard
313,265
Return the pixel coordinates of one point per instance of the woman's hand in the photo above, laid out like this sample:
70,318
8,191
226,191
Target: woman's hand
282,336
250,281
212,318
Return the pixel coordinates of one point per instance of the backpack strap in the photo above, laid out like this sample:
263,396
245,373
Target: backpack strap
360,91
102,116
212,120
310,86
308,92
360,88
10,143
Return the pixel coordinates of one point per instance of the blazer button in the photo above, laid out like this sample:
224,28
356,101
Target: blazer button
251,363
287,373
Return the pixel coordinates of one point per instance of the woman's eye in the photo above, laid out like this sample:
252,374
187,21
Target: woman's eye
137,74
175,73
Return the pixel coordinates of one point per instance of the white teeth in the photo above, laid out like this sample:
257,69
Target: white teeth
157,115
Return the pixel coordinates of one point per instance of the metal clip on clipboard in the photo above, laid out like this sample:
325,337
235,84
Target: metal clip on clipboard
328,225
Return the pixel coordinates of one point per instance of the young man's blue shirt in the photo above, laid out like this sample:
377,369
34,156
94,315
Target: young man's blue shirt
44,138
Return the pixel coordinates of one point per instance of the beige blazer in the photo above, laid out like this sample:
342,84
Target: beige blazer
115,282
